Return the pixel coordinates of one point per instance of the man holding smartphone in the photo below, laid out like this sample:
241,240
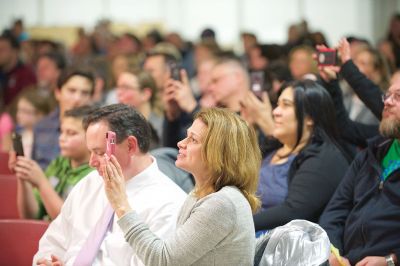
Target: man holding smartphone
156,198
362,217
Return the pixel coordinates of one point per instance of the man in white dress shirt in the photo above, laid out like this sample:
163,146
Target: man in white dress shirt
156,198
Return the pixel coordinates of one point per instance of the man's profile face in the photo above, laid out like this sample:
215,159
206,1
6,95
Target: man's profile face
390,124
158,69
223,83
96,144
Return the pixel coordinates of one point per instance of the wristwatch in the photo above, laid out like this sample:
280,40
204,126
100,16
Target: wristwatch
389,260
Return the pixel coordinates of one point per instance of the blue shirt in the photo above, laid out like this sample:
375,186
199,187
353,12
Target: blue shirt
273,184
45,139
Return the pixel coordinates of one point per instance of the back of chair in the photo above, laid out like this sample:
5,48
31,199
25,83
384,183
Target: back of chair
19,240
4,164
8,197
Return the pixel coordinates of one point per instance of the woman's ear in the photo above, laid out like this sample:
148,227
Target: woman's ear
308,121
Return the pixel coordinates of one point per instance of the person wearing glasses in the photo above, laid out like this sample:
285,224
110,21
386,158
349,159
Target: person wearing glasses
362,217
370,94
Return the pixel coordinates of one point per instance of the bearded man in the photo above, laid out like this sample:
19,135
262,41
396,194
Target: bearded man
362,218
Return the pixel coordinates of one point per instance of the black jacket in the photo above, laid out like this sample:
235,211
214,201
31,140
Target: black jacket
313,177
363,219
354,132
350,131
368,92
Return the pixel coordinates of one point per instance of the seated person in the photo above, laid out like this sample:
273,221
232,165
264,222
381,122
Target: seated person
157,199
362,218
75,88
368,92
42,194
214,226
31,108
138,89
301,172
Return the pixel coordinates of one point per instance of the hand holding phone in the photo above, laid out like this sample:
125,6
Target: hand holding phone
257,83
326,56
17,144
111,140
175,70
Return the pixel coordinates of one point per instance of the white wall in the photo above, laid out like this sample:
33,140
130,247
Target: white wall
269,19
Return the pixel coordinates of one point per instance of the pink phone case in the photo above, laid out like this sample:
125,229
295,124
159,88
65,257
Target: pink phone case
111,140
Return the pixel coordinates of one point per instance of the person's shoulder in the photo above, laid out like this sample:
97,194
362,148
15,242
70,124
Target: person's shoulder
228,199
167,185
51,120
92,179
155,183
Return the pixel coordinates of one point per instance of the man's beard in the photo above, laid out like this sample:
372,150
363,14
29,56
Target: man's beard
390,128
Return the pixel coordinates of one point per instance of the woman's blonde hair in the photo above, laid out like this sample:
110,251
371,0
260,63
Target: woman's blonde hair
231,152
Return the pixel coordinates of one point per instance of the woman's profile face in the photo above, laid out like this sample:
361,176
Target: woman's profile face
285,121
189,157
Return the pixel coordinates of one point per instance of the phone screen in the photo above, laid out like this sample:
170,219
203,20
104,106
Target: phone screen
257,83
175,70
17,144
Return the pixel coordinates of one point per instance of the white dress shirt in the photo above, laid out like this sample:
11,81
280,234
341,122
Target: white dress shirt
151,194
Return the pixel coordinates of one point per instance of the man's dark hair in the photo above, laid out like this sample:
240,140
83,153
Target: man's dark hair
125,121
80,112
57,58
8,37
207,33
66,75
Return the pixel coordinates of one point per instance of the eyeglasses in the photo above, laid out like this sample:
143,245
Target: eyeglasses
394,96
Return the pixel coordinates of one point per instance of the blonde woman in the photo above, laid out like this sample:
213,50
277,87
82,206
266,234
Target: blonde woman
215,225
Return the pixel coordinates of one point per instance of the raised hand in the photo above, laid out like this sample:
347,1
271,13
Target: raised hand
258,112
29,170
114,183
178,96
344,50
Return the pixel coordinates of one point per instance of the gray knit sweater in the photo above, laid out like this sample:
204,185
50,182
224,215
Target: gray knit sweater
215,230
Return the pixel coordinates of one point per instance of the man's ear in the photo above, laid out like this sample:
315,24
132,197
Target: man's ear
133,145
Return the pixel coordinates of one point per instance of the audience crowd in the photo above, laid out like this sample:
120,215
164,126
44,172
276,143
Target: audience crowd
258,139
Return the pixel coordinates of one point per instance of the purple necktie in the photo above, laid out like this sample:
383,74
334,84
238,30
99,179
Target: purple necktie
89,250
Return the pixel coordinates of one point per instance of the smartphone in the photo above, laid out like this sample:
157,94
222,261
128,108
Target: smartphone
257,83
326,57
175,70
17,144
111,140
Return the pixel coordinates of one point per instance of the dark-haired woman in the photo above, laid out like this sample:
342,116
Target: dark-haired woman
299,175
